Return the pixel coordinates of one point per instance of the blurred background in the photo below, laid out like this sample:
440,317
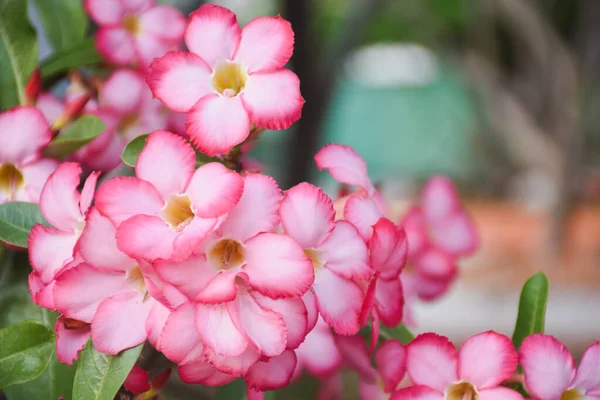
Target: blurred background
500,95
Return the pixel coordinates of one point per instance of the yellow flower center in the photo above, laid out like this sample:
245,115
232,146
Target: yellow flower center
177,212
316,256
229,79
571,394
135,278
131,23
11,179
226,254
462,391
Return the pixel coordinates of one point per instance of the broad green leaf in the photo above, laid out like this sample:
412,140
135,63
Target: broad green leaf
18,52
85,129
16,220
99,376
64,21
25,352
236,390
532,308
132,151
399,332
78,55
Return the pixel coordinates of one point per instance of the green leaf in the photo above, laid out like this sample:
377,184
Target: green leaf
64,21
18,52
99,376
78,55
399,332
25,352
85,129
16,220
132,151
532,308
233,391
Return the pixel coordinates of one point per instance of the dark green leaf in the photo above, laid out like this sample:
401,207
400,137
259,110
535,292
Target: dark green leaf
78,55
233,391
18,52
64,21
85,129
202,159
132,151
16,220
99,376
25,352
399,332
532,308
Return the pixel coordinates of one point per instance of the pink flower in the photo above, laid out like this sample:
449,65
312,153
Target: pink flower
550,372
337,252
484,361
232,78
24,133
53,248
128,110
51,106
384,300
390,359
135,31
318,354
169,208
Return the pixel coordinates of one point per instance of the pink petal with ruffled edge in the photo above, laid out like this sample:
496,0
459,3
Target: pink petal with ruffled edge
418,392
35,175
257,210
155,323
217,123
487,359
69,342
146,237
273,99
432,361
167,162
264,328
59,201
190,276
266,44
234,365
50,250
123,197
214,190
587,374
312,311
116,45
439,199
218,330
213,33
388,248
344,165
179,80
319,353
362,212
389,301
307,215
346,253
77,292
87,192
98,244
221,289
120,322
390,359
154,21
204,373
355,353
180,336
272,374
294,315
549,367
105,12
343,316
122,92
277,266
24,133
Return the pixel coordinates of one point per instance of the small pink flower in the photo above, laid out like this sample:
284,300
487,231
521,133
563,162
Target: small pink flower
231,78
128,110
484,361
24,133
53,248
169,208
390,359
550,372
384,300
338,254
135,31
